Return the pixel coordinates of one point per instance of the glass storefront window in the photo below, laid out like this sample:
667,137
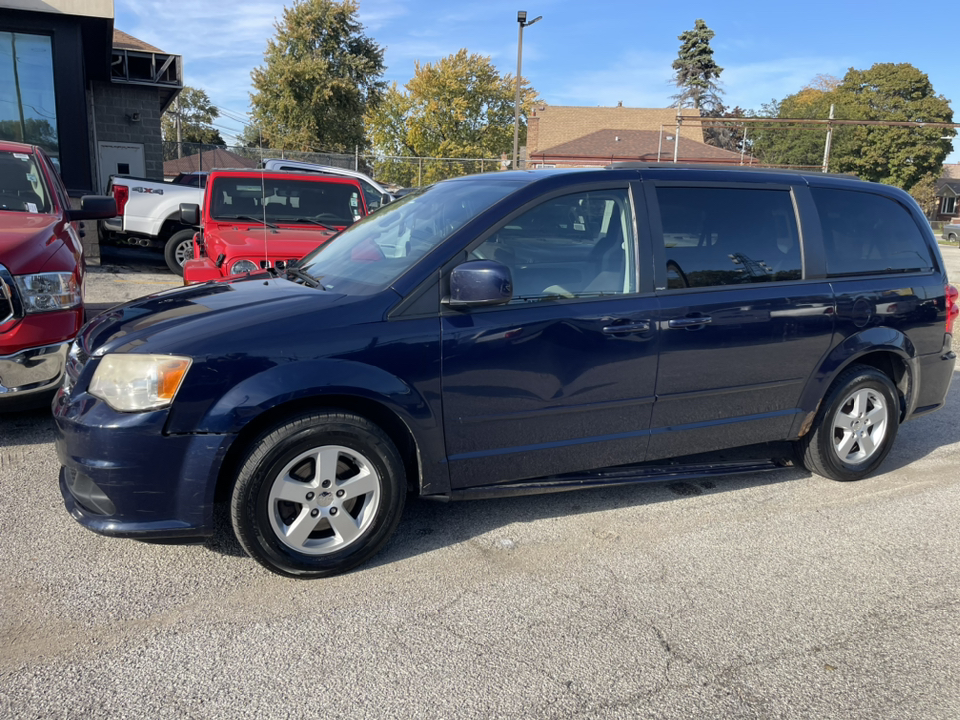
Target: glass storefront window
28,110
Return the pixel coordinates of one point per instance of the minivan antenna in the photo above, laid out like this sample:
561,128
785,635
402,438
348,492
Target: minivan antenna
263,202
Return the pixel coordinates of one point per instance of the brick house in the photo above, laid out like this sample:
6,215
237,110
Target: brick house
577,136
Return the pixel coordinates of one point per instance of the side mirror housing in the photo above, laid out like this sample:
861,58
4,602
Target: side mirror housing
190,214
479,283
94,207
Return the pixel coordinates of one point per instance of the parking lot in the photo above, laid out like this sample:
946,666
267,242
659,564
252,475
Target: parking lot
778,595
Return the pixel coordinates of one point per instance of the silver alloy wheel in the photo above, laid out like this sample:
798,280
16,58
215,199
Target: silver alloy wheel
860,426
324,500
184,252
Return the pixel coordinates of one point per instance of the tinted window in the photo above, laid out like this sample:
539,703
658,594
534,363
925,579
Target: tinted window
867,233
28,107
286,200
572,246
727,236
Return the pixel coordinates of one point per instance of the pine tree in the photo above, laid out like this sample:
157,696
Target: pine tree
696,72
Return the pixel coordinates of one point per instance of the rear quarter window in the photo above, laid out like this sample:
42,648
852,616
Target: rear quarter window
865,233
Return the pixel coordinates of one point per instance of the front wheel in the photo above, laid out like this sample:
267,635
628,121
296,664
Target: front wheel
318,494
178,250
855,426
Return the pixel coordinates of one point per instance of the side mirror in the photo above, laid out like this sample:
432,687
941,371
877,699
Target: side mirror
190,214
480,282
94,207
385,198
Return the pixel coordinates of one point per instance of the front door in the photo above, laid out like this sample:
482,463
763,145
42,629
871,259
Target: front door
560,379
120,159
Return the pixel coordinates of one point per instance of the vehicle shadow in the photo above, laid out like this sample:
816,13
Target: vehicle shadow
28,426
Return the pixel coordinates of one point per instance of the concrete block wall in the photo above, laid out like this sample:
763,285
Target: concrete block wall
113,105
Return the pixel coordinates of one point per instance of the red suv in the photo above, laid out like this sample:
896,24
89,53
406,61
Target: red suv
41,273
254,220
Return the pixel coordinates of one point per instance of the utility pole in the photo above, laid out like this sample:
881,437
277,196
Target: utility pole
522,22
676,137
826,147
179,130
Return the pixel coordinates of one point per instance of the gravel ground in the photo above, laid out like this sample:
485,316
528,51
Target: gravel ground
777,595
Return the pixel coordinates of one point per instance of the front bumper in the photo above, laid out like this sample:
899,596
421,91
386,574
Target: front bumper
33,371
123,476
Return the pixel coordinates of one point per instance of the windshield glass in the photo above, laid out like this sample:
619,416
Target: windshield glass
22,187
286,200
376,251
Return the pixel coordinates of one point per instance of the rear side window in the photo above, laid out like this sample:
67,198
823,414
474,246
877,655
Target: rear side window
728,236
865,234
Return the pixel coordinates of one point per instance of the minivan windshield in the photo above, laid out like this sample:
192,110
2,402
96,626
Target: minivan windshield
370,255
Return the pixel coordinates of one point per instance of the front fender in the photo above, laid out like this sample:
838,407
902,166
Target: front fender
287,382
868,342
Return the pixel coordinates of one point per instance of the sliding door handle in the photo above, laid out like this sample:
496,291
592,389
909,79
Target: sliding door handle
687,322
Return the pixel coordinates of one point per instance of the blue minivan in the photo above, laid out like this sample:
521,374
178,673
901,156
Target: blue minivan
510,333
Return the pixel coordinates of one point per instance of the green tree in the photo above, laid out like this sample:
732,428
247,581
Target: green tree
196,115
924,191
320,75
900,156
458,107
695,72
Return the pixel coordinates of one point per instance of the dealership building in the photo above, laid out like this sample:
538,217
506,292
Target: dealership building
90,95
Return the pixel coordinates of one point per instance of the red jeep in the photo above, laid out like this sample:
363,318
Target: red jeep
253,220
41,273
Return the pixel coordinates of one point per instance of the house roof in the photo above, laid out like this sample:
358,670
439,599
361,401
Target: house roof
609,145
947,187
206,160
553,125
122,41
951,170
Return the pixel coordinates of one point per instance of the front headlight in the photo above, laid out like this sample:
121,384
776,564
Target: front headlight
130,383
243,266
45,292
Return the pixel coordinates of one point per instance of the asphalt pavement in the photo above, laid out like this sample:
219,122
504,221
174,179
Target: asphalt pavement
777,595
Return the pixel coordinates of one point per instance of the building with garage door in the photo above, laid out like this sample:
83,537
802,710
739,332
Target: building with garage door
90,95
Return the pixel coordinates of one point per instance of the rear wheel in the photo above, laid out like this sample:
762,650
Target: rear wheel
855,426
318,494
952,237
178,250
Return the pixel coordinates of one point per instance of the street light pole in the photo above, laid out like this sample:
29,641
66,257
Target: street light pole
522,22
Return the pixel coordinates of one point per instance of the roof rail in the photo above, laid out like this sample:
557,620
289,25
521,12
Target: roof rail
636,165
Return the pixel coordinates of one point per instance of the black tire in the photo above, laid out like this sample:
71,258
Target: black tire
281,534
179,249
951,237
834,451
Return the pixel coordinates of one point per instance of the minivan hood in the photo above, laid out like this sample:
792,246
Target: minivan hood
27,240
172,320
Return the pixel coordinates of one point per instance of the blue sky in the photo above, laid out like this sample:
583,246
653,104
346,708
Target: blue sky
581,53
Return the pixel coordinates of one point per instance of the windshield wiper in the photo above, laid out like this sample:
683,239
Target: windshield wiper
306,279
255,219
315,222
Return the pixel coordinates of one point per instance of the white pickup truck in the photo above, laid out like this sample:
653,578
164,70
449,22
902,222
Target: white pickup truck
148,214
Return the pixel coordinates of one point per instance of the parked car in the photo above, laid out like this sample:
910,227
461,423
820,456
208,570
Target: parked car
373,192
253,219
507,334
951,232
148,215
41,274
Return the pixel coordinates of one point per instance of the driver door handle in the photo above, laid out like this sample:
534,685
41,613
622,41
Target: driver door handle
634,327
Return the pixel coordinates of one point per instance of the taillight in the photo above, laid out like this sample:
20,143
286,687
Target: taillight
952,309
121,193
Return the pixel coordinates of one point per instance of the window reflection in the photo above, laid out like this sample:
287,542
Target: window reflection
27,99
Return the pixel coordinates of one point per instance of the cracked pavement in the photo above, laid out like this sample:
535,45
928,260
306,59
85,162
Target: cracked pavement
777,595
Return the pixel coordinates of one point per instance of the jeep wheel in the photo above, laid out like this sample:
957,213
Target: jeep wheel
318,494
178,250
855,426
